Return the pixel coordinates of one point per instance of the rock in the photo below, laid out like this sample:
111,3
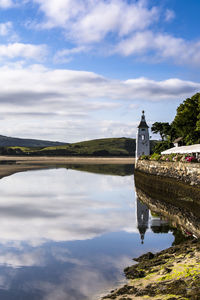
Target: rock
143,257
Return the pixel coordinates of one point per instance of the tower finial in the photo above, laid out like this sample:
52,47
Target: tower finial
143,112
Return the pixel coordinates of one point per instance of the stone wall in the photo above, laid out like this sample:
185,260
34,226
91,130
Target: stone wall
186,172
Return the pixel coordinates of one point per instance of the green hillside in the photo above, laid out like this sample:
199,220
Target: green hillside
6,141
100,147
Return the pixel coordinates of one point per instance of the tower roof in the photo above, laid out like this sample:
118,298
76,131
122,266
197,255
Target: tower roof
142,230
143,123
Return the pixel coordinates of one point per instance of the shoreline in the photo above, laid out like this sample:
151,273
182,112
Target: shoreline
67,160
173,273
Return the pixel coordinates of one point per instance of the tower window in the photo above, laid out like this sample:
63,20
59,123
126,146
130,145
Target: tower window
143,137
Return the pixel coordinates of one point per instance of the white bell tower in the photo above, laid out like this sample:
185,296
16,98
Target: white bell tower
142,138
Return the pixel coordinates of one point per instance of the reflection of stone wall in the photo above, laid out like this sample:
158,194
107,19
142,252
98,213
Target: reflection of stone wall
187,172
168,189
179,216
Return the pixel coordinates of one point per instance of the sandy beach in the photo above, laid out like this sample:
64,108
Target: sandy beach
67,160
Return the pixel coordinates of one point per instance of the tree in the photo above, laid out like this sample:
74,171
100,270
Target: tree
162,146
187,120
186,124
164,129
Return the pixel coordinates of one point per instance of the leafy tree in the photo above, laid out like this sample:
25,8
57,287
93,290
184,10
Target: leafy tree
187,120
162,146
164,129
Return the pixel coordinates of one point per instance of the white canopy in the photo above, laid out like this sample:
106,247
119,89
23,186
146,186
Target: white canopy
183,149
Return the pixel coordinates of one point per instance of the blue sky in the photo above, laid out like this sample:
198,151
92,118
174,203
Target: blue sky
74,70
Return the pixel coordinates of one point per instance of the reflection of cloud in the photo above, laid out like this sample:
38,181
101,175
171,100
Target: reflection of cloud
69,277
46,205
86,282
15,258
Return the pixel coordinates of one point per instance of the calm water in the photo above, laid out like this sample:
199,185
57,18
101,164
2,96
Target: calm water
68,234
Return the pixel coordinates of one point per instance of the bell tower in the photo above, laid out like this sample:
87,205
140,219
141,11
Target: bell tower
142,138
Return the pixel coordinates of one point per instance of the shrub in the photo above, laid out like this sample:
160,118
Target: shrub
155,156
174,157
144,157
191,159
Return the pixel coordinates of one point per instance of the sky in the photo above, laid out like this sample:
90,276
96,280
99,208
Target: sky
74,70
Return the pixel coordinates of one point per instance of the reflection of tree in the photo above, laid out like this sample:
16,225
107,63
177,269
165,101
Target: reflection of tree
159,224
107,169
163,228
179,237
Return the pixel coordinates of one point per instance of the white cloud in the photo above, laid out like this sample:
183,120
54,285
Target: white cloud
169,15
5,28
90,21
121,26
26,51
164,46
37,84
65,55
76,104
6,3
7,32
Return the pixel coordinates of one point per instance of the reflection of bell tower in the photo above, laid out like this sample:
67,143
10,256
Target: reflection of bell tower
142,138
142,218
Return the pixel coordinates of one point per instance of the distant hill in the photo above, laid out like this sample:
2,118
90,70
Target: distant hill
99,147
6,141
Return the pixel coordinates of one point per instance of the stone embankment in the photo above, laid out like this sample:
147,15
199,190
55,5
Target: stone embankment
186,172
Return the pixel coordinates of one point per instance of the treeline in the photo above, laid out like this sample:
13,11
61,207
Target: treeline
186,125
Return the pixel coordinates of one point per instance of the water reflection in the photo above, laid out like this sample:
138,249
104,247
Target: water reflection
146,219
119,170
175,208
68,235
142,218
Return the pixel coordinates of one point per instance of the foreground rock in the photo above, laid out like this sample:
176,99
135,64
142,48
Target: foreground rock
173,273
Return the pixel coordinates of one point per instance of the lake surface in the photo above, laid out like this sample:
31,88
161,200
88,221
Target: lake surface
67,234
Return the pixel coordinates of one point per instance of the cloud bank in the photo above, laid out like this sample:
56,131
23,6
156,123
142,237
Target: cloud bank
71,104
